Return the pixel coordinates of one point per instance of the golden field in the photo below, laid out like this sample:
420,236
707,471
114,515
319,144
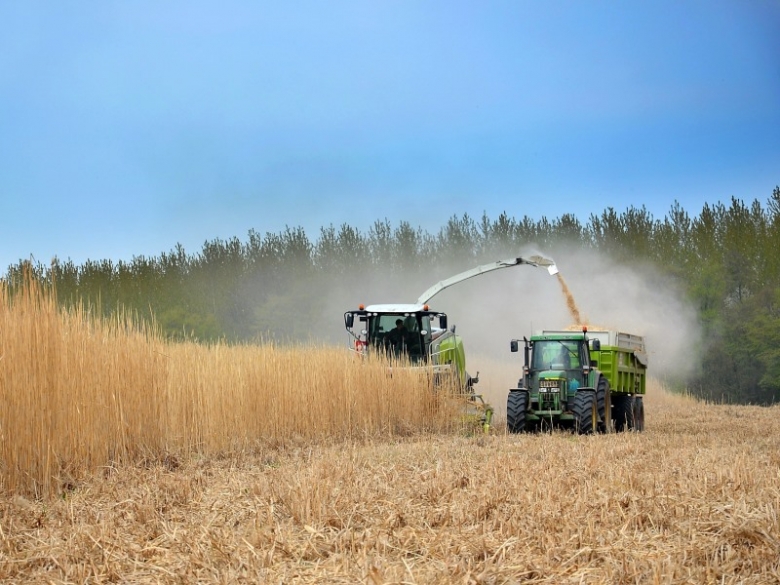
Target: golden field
79,394
128,459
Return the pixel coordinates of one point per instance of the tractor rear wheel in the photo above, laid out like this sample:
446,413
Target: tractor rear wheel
516,408
604,404
586,414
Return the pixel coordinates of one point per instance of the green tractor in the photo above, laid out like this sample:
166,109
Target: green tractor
572,380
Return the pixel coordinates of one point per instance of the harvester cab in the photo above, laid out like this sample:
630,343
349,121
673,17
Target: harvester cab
411,333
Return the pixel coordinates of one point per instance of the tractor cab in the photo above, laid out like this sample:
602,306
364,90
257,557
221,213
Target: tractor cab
556,366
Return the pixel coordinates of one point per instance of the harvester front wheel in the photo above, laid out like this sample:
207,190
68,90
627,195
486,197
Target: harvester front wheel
516,408
586,414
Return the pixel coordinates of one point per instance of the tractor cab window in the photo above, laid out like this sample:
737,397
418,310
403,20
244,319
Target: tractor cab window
584,354
556,355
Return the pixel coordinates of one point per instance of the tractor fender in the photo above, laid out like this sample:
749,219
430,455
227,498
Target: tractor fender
521,390
593,377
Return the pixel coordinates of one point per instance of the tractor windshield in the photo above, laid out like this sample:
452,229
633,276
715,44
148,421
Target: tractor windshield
556,355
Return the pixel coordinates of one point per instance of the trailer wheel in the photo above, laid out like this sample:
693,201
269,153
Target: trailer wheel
516,408
639,414
586,414
604,404
622,412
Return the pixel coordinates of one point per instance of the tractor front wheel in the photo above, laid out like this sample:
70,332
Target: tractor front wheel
516,408
586,414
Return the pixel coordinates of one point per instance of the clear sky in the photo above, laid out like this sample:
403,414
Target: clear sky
129,127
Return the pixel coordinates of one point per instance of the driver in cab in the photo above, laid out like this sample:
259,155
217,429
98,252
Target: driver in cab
396,338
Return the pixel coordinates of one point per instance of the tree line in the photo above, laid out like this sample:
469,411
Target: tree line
726,259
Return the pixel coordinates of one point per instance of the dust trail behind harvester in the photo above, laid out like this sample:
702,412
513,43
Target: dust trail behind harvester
570,302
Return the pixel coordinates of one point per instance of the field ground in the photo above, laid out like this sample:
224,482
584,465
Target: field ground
694,499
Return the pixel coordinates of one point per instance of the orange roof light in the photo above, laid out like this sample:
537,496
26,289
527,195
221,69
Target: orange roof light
425,307
584,328
361,306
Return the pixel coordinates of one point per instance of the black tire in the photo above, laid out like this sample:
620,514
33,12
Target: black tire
603,402
516,408
585,412
623,412
639,414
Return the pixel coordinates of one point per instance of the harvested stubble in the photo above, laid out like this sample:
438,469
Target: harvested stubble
694,499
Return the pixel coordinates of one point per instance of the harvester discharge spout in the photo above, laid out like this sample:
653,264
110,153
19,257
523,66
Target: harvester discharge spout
542,261
531,261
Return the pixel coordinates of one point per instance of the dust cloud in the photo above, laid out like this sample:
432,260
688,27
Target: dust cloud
491,309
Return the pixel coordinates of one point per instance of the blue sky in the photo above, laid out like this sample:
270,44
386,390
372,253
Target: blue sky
129,127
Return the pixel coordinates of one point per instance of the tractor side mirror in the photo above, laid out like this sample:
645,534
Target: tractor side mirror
596,345
443,321
349,320
513,346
